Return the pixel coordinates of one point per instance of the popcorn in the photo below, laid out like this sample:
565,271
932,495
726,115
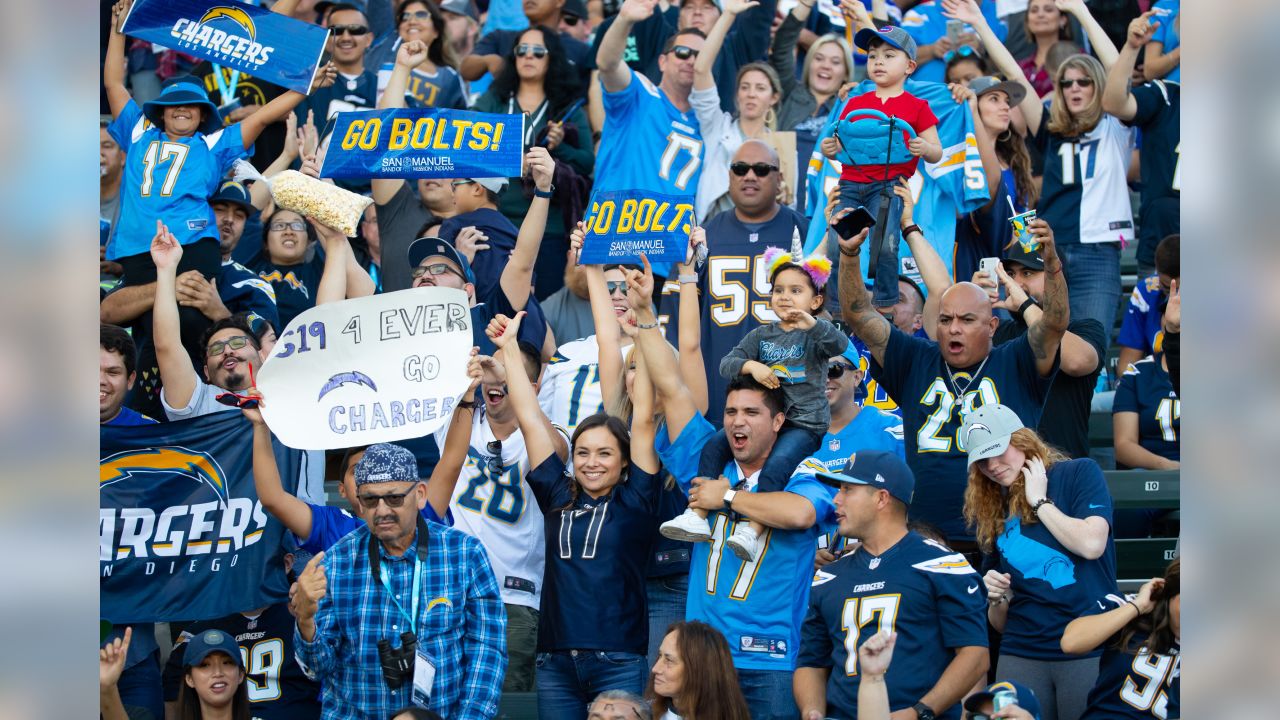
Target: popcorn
325,203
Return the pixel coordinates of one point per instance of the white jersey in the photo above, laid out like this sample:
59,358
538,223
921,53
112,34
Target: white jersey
570,391
499,510
1085,195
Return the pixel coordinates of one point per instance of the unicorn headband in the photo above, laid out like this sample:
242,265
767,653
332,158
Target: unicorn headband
817,267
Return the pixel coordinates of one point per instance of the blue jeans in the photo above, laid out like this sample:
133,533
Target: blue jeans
667,597
789,450
1093,282
768,694
568,680
886,207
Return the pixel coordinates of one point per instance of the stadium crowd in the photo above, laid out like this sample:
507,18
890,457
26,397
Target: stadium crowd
843,460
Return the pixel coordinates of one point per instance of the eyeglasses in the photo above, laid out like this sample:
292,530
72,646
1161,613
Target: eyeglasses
433,269
235,343
836,370
761,170
281,226
570,20
393,500
494,448
1082,82
616,286
527,49
963,51
415,15
683,52
352,30
457,183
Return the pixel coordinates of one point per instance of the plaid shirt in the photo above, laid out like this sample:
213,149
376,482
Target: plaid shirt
461,627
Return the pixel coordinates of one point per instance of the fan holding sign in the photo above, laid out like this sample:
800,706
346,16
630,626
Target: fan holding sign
622,225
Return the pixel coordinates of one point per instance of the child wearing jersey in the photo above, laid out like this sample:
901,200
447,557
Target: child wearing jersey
791,353
891,57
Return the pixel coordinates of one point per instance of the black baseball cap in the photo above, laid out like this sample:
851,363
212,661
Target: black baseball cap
879,469
576,8
425,247
233,191
1018,254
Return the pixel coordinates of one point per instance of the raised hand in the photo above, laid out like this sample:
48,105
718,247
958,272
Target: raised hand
1146,599
111,659
640,285
312,587
502,330
576,239
118,13
962,94
737,7
329,237
1074,7
966,11
541,167
166,252
1173,310
411,54
486,369
1142,29
1037,481
876,653
637,10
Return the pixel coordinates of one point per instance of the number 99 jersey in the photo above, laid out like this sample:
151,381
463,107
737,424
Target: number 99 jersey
1136,684
920,589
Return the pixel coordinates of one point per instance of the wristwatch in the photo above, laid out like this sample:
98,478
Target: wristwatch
728,497
924,712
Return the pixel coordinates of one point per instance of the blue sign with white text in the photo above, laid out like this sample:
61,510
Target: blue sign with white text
424,143
266,45
622,225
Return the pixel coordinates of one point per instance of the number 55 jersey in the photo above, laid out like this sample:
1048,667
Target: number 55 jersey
920,589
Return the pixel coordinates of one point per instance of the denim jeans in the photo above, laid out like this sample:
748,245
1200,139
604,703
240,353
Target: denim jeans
886,207
667,597
568,680
768,694
789,450
1093,282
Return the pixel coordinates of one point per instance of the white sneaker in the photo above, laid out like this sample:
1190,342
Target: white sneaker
686,527
744,542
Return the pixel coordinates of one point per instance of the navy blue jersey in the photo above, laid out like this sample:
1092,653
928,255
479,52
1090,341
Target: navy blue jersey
330,524
1052,585
1085,194
919,588
241,289
593,588
935,399
277,688
488,264
1159,113
733,290
1145,388
295,285
1137,684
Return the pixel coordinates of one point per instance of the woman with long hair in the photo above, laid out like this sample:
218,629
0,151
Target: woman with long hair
537,81
1084,194
435,82
213,686
759,90
693,678
1045,25
1142,662
1045,520
593,630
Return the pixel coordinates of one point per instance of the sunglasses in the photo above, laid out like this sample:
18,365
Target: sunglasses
570,20
836,370
616,286
352,30
296,225
393,500
683,52
494,448
1082,82
433,269
963,51
761,170
415,15
236,400
527,49
235,343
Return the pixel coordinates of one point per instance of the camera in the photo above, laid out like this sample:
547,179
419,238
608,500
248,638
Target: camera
398,663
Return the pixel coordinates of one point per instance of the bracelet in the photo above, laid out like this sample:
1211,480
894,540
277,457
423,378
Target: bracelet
1026,304
687,279
910,229
468,404
537,192
855,253
1135,607
1035,509
647,326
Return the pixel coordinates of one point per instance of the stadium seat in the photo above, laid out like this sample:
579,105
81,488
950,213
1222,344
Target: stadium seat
1137,561
1158,489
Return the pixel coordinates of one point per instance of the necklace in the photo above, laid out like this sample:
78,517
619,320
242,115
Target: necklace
954,386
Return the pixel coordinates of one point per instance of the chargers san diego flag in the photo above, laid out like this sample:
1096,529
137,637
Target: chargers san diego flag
182,535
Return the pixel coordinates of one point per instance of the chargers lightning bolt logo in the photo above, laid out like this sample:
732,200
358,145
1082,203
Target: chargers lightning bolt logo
233,14
343,378
168,461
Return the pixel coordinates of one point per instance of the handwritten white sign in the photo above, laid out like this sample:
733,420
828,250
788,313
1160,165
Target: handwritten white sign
374,369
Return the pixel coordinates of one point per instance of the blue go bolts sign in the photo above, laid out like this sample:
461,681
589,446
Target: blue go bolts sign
424,143
622,225
236,35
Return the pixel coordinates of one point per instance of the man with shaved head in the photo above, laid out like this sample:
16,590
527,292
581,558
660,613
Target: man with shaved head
938,383
734,283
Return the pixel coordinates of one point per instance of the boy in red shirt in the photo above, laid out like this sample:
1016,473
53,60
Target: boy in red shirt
891,57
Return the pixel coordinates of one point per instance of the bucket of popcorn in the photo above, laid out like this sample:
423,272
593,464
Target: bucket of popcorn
323,202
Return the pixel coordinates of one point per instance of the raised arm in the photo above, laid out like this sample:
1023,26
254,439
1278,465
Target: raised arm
259,193
1116,98
113,68
292,512
276,110
111,661
967,11
1102,45
409,56
643,453
782,55
444,477
874,656
870,326
1084,634
517,276
537,437
614,73
677,401
689,338
702,77
608,332
1045,335
176,373
986,143
932,269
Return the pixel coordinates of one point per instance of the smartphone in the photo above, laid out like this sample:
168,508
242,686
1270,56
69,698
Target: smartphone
988,266
854,223
955,29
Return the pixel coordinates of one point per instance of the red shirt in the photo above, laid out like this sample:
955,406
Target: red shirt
904,106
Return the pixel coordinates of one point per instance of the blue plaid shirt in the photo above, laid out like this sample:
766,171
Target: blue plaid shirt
461,626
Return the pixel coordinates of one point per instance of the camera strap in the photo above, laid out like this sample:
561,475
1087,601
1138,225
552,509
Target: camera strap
375,567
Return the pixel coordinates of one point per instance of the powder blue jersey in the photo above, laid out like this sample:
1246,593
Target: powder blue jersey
759,605
919,588
168,180
1135,684
870,429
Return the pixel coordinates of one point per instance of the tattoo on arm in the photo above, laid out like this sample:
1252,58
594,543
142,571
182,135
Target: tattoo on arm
1056,313
870,326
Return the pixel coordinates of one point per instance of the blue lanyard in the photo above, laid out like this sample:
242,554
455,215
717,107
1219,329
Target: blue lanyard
413,619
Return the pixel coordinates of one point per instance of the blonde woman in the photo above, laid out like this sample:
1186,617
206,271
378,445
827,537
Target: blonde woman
1046,522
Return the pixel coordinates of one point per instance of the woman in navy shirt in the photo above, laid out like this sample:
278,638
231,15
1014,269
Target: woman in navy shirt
1146,416
1045,520
593,631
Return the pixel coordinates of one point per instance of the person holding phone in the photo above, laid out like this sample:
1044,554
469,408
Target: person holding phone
939,38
